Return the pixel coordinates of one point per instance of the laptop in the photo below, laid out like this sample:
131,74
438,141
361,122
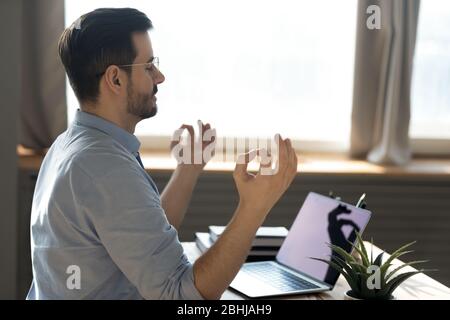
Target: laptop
320,221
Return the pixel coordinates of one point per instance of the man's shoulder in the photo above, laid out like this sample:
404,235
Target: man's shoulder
100,161
96,154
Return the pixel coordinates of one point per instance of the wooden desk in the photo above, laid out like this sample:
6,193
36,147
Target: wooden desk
418,287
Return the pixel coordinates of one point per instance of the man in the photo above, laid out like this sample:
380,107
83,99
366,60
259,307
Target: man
99,228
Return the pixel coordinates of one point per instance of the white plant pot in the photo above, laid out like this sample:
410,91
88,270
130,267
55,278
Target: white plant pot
347,296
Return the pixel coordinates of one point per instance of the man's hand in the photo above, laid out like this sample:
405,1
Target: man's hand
263,190
195,152
192,156
216,268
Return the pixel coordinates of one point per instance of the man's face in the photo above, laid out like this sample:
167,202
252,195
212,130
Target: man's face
142,88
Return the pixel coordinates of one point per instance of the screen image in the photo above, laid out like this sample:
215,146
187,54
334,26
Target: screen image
320,221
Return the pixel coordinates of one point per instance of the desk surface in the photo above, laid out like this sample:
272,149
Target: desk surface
418,287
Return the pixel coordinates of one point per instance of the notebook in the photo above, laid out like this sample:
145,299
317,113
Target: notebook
204,242
265,236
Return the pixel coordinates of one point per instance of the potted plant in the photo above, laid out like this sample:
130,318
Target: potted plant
369,278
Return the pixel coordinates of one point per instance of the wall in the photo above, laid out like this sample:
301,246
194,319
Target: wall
10,14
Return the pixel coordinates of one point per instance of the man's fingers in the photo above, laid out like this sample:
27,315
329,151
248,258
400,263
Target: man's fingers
206,127
213,135
190,130
265,166
294,160
201,130
293,166
208,134
246,158
292,156
177,135
291,170
282,149
282,153
289,151
266,159
243,161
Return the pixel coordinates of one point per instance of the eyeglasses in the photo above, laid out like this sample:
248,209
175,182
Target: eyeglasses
151,66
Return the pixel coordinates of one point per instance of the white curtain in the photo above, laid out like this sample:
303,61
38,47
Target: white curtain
382,82
43,112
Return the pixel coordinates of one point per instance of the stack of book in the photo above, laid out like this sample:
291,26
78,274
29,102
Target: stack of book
265,246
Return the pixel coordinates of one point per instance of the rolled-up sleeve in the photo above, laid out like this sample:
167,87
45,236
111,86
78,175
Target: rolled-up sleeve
131,224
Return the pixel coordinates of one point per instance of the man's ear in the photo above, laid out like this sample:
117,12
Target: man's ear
113,78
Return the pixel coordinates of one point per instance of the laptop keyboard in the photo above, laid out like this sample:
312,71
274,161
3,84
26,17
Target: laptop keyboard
277,277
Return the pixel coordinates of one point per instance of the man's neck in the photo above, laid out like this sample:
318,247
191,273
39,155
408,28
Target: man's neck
124,121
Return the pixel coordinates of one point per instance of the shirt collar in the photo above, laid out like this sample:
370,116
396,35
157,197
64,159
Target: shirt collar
126,139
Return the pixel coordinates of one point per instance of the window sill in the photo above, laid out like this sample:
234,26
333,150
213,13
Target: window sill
309,163
314,163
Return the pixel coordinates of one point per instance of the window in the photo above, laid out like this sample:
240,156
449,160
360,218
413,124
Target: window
250,68
431,78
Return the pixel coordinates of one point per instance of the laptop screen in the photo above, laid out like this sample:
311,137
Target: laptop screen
321,220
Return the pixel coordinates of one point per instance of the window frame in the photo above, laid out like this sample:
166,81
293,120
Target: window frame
430,147
420,146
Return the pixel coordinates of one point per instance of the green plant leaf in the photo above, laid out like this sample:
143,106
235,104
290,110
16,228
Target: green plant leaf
371,251
383,272
335,266
344,254
394,283
395,255
388,277
351,282
364,258
400,250
339,261
354,274
362,246
330,263
378,260
360,267
366,293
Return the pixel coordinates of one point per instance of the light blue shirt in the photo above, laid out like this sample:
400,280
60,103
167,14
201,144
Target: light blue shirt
98,230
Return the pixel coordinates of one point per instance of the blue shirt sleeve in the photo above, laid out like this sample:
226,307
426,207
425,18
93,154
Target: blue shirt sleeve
132,226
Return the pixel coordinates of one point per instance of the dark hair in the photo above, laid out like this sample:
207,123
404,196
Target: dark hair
95,41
